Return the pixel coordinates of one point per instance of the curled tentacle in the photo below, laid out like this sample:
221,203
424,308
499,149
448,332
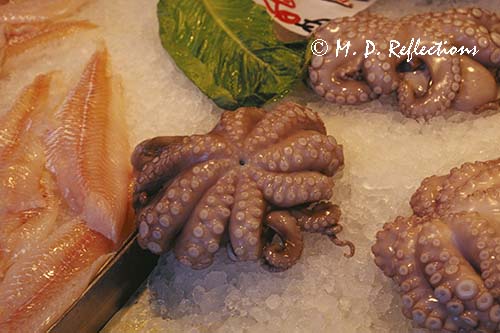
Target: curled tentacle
446,77
335,76
285,255
323,218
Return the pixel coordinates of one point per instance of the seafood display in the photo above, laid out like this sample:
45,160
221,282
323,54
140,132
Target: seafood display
445,257
454,52
249,173
65,190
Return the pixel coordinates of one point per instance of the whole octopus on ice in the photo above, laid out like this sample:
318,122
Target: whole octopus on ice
426,86
257,174
446,258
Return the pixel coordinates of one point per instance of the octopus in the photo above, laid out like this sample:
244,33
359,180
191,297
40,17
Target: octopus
253,182
24,24
446,257
427,84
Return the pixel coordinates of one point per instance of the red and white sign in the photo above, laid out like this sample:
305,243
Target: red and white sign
303,16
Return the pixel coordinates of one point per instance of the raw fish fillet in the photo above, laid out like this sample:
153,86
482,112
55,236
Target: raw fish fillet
20,37
21,152
22,231
38,10
42,284
88,151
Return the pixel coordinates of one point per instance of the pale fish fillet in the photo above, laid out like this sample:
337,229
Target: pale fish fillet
21,152
20,37
22,231
40,286
88,152
38,10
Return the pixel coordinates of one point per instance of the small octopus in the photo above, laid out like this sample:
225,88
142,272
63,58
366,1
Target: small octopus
446,257
432,83
260,176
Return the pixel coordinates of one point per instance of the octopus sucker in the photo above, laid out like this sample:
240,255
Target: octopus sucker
457,246
87,145
428,85
179,199
21,153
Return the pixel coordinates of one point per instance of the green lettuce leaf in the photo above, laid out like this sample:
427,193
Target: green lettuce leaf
229,50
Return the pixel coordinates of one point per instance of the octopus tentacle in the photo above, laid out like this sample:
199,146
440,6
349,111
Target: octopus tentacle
235,126
474,27
147,150
454,280
472,228
201,235
323,218
436,193
336,77
380,68
245,229
446,73
292,189
178,156
305,150
287,119
395,255
284,255
160,220
425,200
487,203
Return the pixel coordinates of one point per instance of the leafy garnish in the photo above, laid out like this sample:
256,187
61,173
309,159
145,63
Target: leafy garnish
229,50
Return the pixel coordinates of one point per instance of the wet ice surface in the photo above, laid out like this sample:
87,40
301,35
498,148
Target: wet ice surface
387,156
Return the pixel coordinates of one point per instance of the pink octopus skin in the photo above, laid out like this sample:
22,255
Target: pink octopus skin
446,258
446,82
192,190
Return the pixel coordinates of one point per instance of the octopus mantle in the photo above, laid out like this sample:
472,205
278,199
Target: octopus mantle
254,172
446,258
